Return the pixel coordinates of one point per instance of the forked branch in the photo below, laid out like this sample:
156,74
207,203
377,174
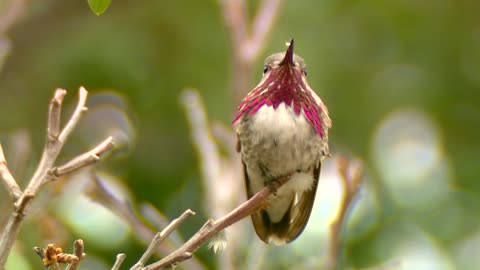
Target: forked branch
54,143
212,227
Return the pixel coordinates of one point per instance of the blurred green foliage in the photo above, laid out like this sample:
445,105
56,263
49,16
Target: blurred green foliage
365,58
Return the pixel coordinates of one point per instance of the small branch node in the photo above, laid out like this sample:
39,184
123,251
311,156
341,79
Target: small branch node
23,202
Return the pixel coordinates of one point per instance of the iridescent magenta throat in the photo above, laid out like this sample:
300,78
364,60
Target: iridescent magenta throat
283,84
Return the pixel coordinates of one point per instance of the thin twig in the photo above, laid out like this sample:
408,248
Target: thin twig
7,178
234,14
103,196
212,227
351,185
206,148
247,39
159,237
82,99
158,220
84,159
262,25
118,262
143,232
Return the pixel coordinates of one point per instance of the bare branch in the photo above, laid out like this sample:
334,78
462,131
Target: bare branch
226,137
158,221
262,25
84,159
120,258
53,129
7,178
206,148
82,99
53,146
248,42
351,185
247,38
159,237
101,195
234,14
212,227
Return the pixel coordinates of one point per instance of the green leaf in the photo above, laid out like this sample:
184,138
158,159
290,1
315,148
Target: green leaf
99,6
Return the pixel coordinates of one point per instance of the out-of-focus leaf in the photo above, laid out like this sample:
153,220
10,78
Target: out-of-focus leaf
99,6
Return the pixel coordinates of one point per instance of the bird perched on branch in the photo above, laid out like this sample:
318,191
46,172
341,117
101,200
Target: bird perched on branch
282,127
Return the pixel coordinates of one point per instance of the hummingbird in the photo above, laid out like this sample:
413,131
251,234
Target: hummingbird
282,130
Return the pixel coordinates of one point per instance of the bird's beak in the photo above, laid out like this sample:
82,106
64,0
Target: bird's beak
288,59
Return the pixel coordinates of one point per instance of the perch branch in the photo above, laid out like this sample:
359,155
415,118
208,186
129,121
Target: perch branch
159,237
351,185
212,227
7,178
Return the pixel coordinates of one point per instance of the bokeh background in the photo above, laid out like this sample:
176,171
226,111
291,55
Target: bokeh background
401,80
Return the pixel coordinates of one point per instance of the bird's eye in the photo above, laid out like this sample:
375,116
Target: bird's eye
304,72
266,69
